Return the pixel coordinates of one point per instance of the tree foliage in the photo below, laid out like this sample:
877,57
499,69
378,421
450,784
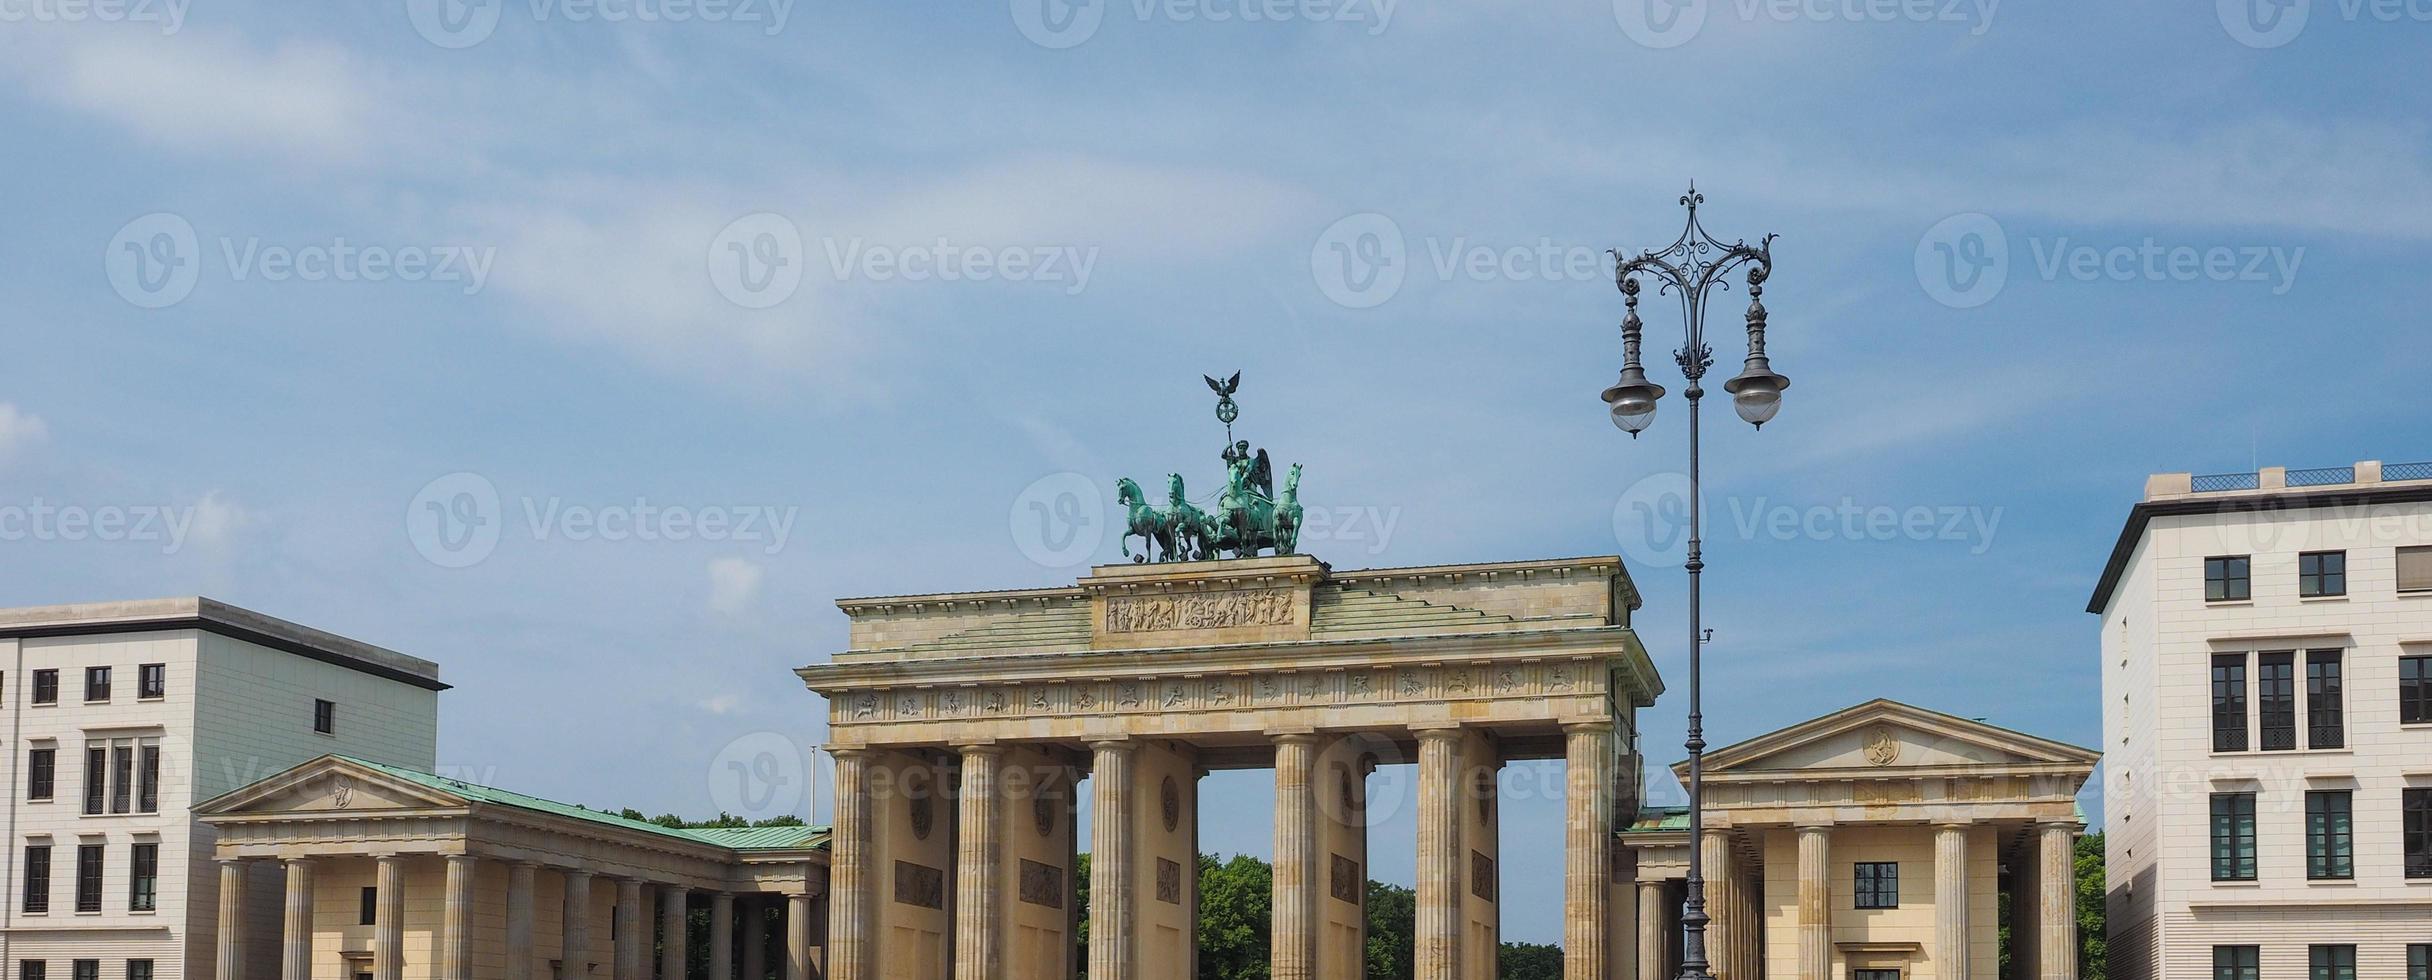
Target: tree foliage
2093,942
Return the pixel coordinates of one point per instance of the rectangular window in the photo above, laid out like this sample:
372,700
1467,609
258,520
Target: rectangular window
2229,702
41,772
97,683
370,912
2333,962
2418,827
2419,961
2276,699
2322,573
37,878
139,970
1874,975
2325,694
2233,837
2237,963
147,785
1878,885
2415,690
2415,569
46,691
85,969
88,877
143,888
96,777
33,969
2330,835
325,717
122,777
152,681
2226,579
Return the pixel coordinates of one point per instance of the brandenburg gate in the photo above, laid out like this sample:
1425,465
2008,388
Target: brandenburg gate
963,723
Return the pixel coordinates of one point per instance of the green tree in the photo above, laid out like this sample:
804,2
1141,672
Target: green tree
1393,922
2093,942
1529,961
1236,900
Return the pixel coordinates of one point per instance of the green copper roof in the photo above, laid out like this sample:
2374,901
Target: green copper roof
1659,819
732,838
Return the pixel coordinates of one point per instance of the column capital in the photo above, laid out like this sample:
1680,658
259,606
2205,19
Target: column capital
981,747
1429,733
2070,825
1292,736
1948,826
460,858
1818,829
1113,743
850,751
1588,727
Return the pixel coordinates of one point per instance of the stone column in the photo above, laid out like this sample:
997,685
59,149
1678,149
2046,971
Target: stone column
632,944
754,917
519,919
1722,940
798,937
722,936
456,928
2056,876
671,932
574,950
979,913
1438,956
1815,903
1111,949
1587,848
1654,929
295,960
388,925
1951,902
849,918
1293,952
232,920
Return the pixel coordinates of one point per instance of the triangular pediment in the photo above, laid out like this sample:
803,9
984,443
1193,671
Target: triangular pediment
1886,734
332,783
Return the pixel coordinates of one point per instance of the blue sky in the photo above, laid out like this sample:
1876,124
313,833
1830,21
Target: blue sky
277,273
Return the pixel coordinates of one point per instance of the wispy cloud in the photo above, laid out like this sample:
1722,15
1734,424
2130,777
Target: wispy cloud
20,431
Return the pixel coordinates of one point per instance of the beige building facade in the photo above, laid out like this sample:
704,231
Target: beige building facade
2267,709
1872,844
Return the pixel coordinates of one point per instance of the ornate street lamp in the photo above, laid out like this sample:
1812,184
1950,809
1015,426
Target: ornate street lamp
1694,265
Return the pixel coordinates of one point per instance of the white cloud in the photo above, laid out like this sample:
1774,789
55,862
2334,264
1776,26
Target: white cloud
734,585
212,92
722,704
216,522
20,431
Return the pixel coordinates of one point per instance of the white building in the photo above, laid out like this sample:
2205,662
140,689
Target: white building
119,717
2267,717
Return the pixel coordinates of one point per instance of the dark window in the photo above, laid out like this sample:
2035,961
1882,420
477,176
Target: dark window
2419,961
2321,573
2237,963
2418,807
2330,835
41,772
2333,962
325,717
143,889
85,969
2415,690
2229,702
122,778
147,789
1874,975
2325,714
370,912
96,777
37,877
139,970
152,681
2276,697
2226,579
46,691
1878,885
2415,569
97,683
32,970
2233,837
88,877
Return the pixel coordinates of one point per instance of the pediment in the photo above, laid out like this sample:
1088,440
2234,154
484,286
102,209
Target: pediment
1887,734
328,784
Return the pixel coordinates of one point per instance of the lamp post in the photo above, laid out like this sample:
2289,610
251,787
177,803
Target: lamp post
1695,264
